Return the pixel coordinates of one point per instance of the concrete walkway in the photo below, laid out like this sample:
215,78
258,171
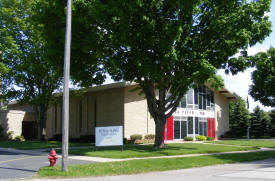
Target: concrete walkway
100,159
40,152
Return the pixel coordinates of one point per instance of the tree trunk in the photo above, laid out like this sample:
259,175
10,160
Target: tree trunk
159,132
41,117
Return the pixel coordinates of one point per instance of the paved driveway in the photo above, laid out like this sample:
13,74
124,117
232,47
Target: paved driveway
250,171
18,165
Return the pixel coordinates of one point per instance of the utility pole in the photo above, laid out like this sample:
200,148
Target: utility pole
248,121
65,108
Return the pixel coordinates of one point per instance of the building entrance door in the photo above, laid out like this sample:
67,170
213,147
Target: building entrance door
211,127
169,129
180,127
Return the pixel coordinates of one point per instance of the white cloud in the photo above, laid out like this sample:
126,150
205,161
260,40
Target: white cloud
255,50
240,84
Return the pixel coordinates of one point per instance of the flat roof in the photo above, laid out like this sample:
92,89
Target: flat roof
224,91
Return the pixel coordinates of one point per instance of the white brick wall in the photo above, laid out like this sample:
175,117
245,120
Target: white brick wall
221,114
136,116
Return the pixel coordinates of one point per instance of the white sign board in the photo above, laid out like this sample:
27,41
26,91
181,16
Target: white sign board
196,113
109,136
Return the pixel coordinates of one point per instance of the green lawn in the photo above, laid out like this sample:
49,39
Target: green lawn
256,143
28,145
131,151
149,165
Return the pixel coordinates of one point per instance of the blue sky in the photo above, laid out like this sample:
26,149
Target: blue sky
240,82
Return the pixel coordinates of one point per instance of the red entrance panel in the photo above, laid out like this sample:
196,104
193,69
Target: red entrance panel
208,127
169,129
211,127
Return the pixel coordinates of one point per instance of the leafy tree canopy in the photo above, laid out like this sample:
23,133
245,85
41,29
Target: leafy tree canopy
263,78
33,74
161,45
238,118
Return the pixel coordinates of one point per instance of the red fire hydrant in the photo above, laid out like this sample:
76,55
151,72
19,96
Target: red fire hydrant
52,158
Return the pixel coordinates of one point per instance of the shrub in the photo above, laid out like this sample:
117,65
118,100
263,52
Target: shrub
56,137
87,138
19,138
149,137
187,138
228,134
210,138
265,137
201,138
135,137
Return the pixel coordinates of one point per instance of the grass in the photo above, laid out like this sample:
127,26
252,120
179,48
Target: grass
150,165
29,145
131,151
255,143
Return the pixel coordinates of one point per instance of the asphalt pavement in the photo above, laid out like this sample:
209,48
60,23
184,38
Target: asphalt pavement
16,164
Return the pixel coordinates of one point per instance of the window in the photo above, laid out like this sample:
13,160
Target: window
190,96
183,127
200,97
80,115
196,125
204,98
208,95
196,96
176,127
183,102
190,125
202,126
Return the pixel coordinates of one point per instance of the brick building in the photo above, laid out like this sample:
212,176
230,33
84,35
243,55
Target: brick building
202,111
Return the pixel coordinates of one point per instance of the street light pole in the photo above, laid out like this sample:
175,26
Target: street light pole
248,121
65,108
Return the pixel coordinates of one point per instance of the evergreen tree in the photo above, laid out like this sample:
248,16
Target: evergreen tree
238,118
259,123
272,122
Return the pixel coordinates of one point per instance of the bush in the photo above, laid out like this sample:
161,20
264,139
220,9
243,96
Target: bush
228,134
56,137
87,138
187,138
135,137
265,137
201,138
149,137
19,138
210,138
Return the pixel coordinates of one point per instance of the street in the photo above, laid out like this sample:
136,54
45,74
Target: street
16,165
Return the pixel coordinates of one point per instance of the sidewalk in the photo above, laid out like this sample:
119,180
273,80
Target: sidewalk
100,159
40,152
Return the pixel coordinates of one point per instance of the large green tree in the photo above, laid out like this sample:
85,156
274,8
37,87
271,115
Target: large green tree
260,123
33,75
238,118
163,45
263,78
272,122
